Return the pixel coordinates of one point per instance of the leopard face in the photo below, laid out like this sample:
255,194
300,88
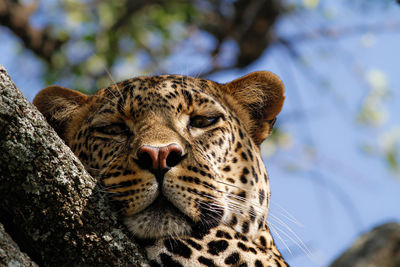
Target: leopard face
180,154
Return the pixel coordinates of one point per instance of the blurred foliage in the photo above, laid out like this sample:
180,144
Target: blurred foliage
374,114
98,41
373,110
104,35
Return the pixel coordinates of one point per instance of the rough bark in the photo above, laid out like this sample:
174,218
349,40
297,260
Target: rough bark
378,248
10,254
49,204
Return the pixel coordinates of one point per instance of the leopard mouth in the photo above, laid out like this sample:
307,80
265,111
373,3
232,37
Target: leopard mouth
161,205
167,216
161,218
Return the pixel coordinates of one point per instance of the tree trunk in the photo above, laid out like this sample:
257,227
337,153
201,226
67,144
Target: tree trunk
10,254
378,248
50,206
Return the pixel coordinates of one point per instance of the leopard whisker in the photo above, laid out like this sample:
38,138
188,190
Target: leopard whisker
207,223
114,82
297,240
235,196
273,217
112,100
258,210
228,184
209,207
272,227
237,208
286,214
230,208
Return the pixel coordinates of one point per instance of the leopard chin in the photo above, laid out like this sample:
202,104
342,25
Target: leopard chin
160,219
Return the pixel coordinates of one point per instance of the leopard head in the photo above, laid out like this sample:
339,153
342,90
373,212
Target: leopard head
179,153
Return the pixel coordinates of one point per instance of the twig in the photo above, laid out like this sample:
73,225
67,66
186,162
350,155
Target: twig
16,17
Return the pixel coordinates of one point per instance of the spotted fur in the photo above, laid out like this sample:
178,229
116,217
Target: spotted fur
181,155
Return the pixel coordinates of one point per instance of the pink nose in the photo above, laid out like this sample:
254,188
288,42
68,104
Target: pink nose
159,158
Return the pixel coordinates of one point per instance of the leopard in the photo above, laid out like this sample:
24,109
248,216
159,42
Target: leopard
181,157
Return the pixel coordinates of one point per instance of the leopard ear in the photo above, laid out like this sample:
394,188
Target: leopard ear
260,95
58,105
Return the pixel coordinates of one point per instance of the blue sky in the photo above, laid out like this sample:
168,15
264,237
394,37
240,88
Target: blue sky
325,189
345,192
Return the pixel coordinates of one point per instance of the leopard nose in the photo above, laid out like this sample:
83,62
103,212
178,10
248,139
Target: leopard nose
159,159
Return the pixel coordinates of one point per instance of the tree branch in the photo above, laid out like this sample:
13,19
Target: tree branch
290,42
16,17
338,32
379,247
132,7
49,204
10,254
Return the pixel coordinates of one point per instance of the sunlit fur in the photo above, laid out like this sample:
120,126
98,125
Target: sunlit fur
220,188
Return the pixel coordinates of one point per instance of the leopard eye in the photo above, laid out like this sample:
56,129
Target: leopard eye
113,129
203,121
